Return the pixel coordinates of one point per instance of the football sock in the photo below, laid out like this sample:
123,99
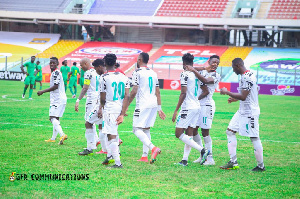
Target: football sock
146,148
143,137
57,127
232,144
186,151
198,140
25,89
90,138
107,146
65,88
113,145
258,151
70,87
41,87
96,139
208,143
102,140
189,141
75,90
30,92
54,134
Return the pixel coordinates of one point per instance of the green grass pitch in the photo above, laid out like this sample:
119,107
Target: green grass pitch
24,126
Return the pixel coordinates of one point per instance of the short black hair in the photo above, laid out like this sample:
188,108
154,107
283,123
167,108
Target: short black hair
188,58
32,56
74,63
110,59
237,61
145,57
98,62
117,65
62,62
54,58
214,56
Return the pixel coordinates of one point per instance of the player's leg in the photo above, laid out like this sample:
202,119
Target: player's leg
114,147
187,148
32,81
208,144
66,84
102,140
146,149
90,139
34,87
26,82
57,128
71,83
96,138
41,85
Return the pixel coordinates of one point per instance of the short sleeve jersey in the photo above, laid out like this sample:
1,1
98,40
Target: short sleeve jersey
65,70
146,80
189,80
211,87
114,84
91,78
74,71
39,67
57,96
30,68
250,106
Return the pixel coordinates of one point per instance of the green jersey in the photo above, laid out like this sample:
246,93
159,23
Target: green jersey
82,73
64,71
30,68
75,71
39,67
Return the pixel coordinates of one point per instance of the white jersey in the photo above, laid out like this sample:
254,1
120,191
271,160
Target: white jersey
250,105
114,84
189,80
57,96
92,78
208,100
146,80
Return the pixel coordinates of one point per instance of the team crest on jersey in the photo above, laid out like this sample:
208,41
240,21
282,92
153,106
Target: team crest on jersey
115,50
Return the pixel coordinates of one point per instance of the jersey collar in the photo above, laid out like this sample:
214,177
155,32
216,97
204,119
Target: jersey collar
246,72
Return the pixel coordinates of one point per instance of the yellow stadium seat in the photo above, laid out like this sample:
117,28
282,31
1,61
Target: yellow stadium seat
234,52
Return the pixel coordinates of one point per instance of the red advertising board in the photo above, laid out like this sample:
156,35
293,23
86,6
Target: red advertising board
172,84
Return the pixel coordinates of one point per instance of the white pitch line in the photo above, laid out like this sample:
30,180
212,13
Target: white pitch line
4,96
215,138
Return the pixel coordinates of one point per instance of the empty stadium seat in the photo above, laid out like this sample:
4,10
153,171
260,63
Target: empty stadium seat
284,9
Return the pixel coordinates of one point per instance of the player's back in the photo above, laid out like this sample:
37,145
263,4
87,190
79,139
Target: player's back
57,96
146,80
74,71
189,80
114,84
91,78
211,87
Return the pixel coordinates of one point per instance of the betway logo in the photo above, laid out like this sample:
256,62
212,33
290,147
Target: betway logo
7,75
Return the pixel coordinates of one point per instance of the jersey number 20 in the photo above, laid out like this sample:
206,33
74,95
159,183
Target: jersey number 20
120,88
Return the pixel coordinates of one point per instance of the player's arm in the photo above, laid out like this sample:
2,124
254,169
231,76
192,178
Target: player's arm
236,96
208,80
124,107
23,71
37,70
204,93
52,88
161,114
199,68
182,96
133,93
86,86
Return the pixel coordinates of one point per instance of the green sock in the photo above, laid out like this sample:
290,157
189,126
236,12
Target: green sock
40,87
75,90
25,89
71,90
65,88
30,92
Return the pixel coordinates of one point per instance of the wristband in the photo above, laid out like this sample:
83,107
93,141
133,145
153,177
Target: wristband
159,108
78,100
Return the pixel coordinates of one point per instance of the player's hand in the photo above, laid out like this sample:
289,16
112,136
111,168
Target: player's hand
27,74
39,93
231,100
189,68
162,115
100,115
174,116
223,91
126,112
120,119
77,106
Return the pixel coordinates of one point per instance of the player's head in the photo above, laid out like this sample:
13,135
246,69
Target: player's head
85,64
117,65
213,62
187,59
110,61
53,63
38,62
32,59
142,59
238,66
64,62
74,63
99,66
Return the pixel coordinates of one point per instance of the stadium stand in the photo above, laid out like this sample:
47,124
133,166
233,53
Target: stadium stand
232,52
193,8
284,9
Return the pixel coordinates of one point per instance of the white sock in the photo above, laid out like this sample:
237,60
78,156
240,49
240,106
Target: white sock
189,141
90,138
146,148
57,127
198,140
186,151
54,134
143,137
258,151
96,139
232,144
107,146
114,147
102,140
208,143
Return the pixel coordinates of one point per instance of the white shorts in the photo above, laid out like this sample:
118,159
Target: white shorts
246,125
93,116
57,110
187,118
109,125
206,116
89,106
144,118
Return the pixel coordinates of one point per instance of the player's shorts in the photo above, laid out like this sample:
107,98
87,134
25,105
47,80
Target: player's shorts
57,110
38,78
144,118
246,125
89,106
73,82
29,80
109,125
206,116
81,81
187,118
93,116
